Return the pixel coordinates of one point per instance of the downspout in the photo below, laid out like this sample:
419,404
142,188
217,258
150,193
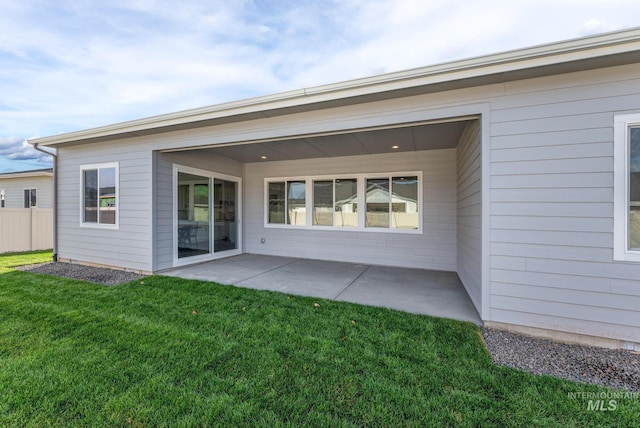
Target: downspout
54,199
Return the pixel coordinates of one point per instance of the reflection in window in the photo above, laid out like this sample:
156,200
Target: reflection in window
634,188
224,214
276,192
296,203
193,228
201,202
391,202
107,194
347,202
377,202
404,202
323,203
183,201
90,178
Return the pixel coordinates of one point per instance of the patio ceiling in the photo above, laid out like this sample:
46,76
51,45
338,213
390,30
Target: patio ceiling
402,139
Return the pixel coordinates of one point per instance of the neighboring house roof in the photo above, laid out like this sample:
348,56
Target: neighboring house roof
30,173
376,193
604,50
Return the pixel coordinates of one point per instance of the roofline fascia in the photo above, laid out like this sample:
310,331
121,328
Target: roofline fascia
618,42
24,174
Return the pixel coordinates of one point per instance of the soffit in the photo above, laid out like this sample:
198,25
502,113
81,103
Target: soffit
415,138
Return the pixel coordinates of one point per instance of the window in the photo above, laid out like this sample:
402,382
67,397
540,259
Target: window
390,201
346,202
634,188
30,198
287,197
276,202
335,202
323,203
404,203
377,202
2,198
296,203
100,195
627,187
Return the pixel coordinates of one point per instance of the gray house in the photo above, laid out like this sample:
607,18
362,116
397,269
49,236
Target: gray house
519,171
26,189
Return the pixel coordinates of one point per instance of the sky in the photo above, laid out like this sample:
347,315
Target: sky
68,65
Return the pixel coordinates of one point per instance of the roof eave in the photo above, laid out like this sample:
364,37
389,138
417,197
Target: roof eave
24,174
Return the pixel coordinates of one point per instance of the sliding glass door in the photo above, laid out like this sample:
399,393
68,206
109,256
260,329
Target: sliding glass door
207,208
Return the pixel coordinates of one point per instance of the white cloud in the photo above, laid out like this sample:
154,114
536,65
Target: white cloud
16,154
594,26
69,65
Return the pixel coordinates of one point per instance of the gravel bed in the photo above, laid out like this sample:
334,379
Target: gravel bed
616,368
86,273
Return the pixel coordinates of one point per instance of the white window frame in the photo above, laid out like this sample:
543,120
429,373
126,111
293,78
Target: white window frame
621,175
30,189
99,166
361,178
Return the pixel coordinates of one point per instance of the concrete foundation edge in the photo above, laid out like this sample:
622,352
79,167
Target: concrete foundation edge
100,265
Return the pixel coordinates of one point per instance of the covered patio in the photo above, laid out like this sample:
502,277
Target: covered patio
384,213
418,291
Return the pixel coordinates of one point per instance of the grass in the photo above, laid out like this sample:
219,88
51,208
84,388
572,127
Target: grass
169,352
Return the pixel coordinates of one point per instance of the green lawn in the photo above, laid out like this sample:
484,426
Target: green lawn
169,352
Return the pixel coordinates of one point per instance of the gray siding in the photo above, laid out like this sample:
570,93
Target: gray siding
163,258
551,201
469,212
434,248
130,245
14,190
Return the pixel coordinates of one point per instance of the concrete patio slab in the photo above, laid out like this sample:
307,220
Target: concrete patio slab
314,278
416,291
323,267
257,261
430,278
231,270
413,290
223,274
327,286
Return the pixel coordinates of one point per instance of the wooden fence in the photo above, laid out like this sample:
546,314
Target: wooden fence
25,229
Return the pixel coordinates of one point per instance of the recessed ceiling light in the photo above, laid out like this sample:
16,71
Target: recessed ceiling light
263,157
395,147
